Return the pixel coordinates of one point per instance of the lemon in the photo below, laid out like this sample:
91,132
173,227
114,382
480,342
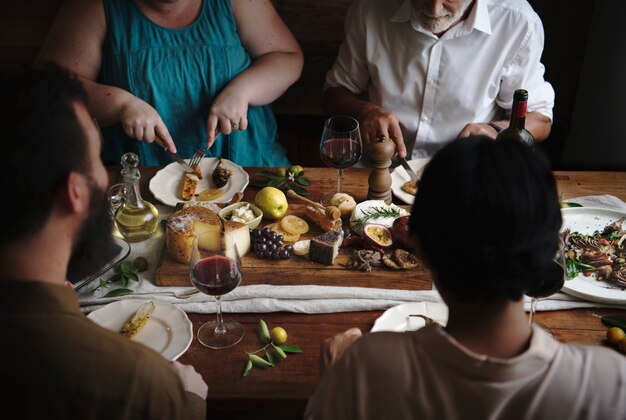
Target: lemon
296,170
279,335
615,335
294,225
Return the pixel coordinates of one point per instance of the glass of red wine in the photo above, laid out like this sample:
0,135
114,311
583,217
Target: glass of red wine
340,145
215,269
553,280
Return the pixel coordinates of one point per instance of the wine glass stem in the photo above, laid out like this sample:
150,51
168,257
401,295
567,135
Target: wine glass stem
533,308
340,180
220,329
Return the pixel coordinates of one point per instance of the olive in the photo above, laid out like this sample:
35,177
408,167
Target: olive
615,335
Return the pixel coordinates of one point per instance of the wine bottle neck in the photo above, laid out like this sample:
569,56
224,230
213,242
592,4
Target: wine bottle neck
518,115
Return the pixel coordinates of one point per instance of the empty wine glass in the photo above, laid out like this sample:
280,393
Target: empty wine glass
215,269
553,279
340,145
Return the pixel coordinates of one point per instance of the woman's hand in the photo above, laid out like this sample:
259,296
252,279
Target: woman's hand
229,113
142,122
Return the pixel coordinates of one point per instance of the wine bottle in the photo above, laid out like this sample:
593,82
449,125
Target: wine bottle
516,130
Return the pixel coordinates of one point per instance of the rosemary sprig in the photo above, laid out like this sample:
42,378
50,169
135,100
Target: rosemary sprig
375,213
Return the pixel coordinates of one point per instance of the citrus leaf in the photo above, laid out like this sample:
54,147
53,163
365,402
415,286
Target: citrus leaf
248,368
257,184
279,351
298,189
303,181
270,359
124,281
118,292
264,332
258,362
131,276
290,348
570,204
126,267
268,174
276,182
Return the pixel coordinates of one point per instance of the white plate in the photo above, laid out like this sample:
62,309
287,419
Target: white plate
586,220
168,331
399,177
166,183
397,319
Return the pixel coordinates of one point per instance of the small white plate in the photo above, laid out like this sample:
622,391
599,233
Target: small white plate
587,220
397,319
168,331
167,183
399,177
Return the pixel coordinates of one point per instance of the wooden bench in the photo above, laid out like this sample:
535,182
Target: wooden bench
318,26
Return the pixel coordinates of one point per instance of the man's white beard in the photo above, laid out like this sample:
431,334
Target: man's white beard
438,24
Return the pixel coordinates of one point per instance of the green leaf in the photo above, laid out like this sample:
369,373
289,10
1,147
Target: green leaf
276,182
289,348
257,184
126,267
131,276
248,368
298,189
303,181
264,332
615,321
570,204
124,281
270,175
270,359
258,361
572,269
103,283
279,351
118,292
115,277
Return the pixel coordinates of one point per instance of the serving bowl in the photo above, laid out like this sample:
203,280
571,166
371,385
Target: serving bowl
227,211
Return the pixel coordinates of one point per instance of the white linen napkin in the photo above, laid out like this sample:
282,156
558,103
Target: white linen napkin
304,299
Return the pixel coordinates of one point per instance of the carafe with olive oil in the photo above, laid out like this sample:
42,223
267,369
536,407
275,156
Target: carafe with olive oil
135,218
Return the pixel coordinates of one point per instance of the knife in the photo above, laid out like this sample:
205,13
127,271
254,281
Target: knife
408,170
177,159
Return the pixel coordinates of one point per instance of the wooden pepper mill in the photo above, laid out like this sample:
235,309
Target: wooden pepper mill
380,152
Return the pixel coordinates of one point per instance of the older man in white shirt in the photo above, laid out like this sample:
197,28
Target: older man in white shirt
435,70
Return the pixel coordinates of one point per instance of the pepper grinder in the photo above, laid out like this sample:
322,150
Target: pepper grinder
380,152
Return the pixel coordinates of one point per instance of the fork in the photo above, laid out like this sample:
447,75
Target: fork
182,295
197,157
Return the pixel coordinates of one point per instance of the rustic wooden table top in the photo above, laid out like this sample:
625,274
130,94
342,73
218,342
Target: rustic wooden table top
294,380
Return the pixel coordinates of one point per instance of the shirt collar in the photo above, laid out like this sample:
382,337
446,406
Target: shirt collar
478,18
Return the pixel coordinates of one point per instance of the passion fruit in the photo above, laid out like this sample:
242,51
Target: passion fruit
377,235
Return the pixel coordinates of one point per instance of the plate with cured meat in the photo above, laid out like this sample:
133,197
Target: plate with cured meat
595,254
172,185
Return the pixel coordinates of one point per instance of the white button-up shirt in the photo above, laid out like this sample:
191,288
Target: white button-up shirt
436,85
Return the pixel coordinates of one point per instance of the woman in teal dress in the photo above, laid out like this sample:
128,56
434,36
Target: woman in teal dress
196,73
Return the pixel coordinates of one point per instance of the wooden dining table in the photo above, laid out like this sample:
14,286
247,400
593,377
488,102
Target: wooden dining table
282,392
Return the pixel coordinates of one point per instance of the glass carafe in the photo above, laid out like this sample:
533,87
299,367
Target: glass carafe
135,218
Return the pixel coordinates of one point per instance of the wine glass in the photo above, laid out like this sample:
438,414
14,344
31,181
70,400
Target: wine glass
215,269
553,279
340,145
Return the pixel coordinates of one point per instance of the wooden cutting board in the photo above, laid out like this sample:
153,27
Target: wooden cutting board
300,271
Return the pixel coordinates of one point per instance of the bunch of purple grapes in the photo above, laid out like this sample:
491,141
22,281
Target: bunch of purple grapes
268,244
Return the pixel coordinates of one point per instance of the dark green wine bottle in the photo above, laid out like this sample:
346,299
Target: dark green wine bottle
516,130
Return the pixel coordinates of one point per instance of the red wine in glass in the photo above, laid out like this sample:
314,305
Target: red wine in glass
216,275
340,145
341,153
215,269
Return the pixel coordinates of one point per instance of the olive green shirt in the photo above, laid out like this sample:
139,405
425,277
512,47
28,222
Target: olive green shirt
57,364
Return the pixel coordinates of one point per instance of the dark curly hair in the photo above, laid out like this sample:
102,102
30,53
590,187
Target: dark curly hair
42,142
487,218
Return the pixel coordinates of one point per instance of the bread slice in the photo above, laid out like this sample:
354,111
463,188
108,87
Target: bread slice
325,248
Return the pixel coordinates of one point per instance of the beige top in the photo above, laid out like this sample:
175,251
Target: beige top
58,364
427,374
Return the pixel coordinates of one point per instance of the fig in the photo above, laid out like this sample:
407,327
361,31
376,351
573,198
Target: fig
377,235
402,237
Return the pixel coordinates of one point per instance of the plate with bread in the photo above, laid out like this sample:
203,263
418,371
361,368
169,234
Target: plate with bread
215,180
401,185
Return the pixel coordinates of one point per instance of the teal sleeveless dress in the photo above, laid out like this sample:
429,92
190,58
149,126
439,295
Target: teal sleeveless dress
180,72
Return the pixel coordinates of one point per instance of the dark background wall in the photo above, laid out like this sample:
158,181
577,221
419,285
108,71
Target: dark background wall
584,57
